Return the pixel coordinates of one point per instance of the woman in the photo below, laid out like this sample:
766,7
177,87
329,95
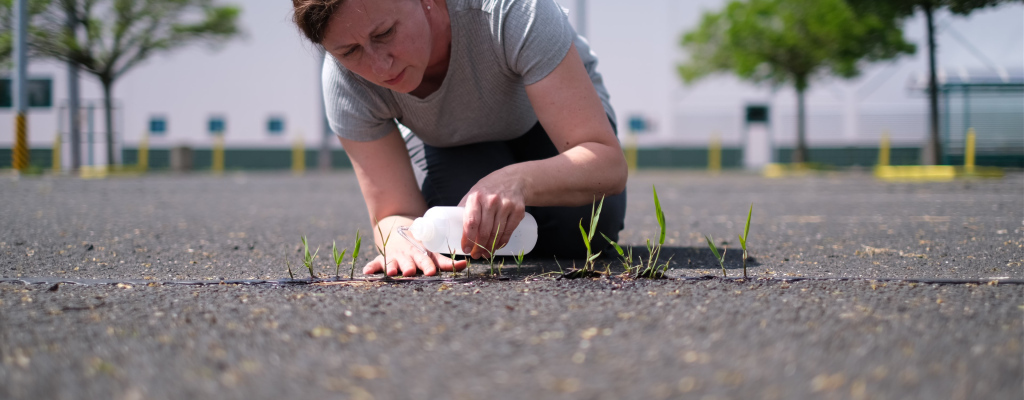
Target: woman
504,96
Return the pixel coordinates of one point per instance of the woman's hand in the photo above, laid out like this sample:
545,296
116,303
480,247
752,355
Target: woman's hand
402,256
494,207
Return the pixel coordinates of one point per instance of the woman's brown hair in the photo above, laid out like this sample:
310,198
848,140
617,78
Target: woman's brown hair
312,17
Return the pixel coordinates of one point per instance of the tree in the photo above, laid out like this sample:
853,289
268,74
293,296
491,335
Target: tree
789,42
902,9
113,36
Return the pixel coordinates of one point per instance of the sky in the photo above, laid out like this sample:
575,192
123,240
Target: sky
273,71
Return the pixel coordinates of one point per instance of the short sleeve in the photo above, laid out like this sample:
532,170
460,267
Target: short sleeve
355,111
535,36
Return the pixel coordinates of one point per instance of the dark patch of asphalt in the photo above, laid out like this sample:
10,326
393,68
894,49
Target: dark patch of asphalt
526,337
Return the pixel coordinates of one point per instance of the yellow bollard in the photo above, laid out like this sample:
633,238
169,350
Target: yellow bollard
969,151
143,161
217,163
56,154
883,150
298,156
20,154
630,151
715,153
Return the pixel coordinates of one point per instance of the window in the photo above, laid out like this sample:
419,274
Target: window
217,126
275,126
157,126
40,93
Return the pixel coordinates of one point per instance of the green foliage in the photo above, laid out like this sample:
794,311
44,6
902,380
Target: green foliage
355,253
653,270
307,259
718,257
519,259
789,42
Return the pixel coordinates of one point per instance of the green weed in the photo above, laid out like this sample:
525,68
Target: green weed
355,254
382,249
743,239
714,250
307,259
519,259
625,256
338,257
490,252
588,237
653,270
288,264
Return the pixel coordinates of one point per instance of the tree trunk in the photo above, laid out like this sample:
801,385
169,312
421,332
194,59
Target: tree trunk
800,152
108,115
932,153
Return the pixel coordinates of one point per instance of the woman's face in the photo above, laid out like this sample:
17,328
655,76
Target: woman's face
386,42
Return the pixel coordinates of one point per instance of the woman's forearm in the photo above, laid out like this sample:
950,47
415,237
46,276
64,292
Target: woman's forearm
576,177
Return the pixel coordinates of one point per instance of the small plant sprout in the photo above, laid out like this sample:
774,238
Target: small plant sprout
307,259
588,237
714,250
289,265
338,257
382,249
743,240
451,254
490,252
519,259
355,254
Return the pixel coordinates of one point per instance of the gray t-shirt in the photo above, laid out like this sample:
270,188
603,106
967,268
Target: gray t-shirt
498,47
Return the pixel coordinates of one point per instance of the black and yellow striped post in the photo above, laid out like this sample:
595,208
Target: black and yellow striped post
20,156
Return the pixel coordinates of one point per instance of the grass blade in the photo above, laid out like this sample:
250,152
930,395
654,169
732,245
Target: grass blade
746,230
618,249
661,216
714,249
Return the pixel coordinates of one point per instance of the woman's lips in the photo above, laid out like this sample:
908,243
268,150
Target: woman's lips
395,80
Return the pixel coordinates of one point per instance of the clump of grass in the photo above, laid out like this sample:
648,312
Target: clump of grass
653,270
355,254
743,239
307,259
714,250
338,257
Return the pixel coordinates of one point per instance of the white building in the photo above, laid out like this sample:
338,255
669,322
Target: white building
273,74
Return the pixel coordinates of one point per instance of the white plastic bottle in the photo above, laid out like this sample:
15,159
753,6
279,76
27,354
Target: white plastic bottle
440,231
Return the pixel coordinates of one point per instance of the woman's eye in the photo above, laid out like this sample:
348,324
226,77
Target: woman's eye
350,51
386,33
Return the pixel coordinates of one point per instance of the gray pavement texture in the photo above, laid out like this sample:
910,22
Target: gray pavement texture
529,336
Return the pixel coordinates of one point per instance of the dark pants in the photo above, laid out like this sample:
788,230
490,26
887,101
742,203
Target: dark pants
452,171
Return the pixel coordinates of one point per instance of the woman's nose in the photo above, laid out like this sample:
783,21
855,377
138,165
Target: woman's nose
381,61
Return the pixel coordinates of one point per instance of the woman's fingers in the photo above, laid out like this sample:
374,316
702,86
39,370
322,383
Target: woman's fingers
512,221
374,267
425,263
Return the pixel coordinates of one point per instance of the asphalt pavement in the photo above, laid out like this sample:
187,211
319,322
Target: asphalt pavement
897,328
